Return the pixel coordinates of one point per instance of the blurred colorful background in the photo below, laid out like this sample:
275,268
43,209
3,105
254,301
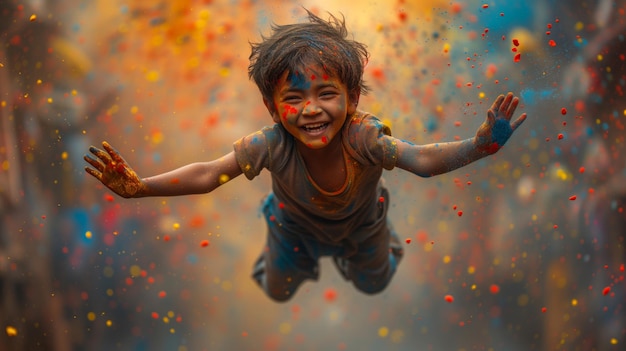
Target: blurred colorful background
523,250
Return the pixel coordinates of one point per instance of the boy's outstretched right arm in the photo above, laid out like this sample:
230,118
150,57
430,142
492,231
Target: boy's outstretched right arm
196,178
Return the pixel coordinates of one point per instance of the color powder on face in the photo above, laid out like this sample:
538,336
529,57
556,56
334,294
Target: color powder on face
298,80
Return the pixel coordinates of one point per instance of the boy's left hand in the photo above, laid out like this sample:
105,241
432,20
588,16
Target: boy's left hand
113,171
497,128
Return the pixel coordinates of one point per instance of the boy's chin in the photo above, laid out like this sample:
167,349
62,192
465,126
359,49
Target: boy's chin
316,144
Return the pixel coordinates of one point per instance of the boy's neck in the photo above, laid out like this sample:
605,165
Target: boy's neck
326,166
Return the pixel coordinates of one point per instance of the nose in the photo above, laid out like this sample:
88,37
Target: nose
310,108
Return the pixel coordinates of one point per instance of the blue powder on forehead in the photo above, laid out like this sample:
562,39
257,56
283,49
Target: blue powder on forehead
298,80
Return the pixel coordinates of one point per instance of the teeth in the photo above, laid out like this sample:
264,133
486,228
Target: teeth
313,127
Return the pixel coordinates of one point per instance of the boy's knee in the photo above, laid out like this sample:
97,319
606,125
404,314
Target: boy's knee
279,295
370,287
278,289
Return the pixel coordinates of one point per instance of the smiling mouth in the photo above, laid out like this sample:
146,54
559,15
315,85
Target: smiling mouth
314,128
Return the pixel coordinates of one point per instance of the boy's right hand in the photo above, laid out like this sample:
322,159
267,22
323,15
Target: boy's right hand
111,169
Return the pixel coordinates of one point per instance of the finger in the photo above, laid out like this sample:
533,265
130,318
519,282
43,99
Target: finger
115,155
496,104
518,121
106,159
505,103
94,163
491,118
512,107
94,173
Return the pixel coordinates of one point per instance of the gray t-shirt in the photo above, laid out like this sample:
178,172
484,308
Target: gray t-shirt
301,206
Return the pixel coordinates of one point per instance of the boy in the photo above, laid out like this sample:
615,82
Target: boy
325,158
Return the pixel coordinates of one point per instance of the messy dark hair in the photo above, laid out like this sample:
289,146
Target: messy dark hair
292,47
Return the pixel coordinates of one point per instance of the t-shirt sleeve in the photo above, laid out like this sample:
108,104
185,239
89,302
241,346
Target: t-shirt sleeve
267,148
371,141
252,152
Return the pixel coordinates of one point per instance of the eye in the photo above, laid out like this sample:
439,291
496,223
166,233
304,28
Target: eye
291,98
328,94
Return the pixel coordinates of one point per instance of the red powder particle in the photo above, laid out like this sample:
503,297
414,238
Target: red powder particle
485,6
197,221
552,42
166,238
517,57
330,295
606,290
494,289
162,294
515,42
155,315
108,197
407,240
460,213
16,40
204,243
402,16
581,170
381,199
544,309
449,298
572,198
456,7
560,136
378,73
563,111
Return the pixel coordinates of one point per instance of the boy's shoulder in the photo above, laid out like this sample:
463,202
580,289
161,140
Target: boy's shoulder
367,139
362,119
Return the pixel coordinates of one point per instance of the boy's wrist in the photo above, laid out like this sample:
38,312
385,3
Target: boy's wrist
484,147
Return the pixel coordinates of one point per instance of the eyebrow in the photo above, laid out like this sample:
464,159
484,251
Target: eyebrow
297,88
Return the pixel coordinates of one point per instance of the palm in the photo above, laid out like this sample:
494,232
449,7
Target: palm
113,171
498,128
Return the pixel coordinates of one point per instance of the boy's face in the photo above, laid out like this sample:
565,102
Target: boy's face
312,106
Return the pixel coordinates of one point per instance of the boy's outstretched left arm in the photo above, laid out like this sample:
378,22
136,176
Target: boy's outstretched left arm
432,159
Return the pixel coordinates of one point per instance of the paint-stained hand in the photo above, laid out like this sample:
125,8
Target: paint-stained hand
497,128
113,171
